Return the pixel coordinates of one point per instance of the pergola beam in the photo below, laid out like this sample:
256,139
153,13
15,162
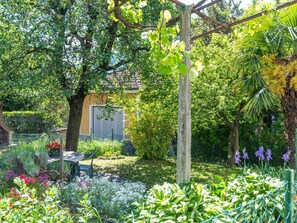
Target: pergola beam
200,3
208,5
228,25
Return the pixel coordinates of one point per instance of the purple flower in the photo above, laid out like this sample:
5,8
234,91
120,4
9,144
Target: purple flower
245,154
260,153
268,155
286,156
237,157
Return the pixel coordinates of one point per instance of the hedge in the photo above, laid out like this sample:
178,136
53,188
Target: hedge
27,121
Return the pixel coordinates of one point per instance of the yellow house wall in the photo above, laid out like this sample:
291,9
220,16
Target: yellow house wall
98,99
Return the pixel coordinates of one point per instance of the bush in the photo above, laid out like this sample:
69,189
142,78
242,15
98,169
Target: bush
105,146
153,131
26,158
28,121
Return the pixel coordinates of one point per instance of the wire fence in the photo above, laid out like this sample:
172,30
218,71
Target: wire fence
277,206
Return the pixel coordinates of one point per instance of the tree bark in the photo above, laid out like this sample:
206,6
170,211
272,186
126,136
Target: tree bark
289,106
184,106
76,104
233,144
233,141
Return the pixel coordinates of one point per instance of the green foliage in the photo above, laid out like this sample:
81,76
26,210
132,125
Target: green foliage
194,203
29,121
152,131
243,189
174,203
104,146
26,206
26,158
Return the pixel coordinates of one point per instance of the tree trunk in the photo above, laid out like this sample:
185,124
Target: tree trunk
289,106
76,104
233,144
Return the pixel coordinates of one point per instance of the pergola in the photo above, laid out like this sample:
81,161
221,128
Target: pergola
184,104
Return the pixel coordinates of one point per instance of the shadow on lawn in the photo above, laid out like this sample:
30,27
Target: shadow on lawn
160,171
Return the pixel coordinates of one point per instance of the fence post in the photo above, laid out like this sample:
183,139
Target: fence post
289,196
296,152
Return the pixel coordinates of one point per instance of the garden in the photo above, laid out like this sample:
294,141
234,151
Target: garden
132,111
142,191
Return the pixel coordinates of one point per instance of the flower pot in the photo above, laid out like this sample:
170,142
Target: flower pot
54,153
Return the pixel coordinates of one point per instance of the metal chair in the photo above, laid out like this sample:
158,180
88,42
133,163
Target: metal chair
71,170
88,168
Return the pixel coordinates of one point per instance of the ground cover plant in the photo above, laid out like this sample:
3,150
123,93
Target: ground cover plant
194,202
111,199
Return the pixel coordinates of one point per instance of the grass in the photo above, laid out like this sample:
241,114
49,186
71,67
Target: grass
158,172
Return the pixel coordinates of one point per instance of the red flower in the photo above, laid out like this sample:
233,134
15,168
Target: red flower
10,206
22,176
54,146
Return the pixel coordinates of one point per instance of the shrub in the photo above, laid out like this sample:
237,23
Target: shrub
111,198
26,158
152,131
105,146
28,121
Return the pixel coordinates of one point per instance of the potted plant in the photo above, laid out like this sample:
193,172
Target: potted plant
54,149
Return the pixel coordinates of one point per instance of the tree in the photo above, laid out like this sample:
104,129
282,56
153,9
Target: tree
66,48
217,93
269,50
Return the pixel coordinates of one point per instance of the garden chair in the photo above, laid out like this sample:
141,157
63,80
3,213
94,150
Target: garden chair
88,168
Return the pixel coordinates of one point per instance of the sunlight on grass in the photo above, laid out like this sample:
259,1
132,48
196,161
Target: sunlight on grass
158,172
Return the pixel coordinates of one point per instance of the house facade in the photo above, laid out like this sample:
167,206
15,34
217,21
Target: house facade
108,122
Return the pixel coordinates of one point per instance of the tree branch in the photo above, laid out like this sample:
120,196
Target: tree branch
227,120
118,15
123,62
118,6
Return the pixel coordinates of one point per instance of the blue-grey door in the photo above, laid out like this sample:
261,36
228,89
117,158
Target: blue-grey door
108,123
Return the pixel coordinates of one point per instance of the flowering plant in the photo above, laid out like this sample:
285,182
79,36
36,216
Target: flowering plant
54,146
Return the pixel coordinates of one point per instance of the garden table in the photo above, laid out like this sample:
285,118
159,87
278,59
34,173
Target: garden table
70,156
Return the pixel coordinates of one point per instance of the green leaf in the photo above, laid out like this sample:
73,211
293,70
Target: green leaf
167,15
164,69
182,68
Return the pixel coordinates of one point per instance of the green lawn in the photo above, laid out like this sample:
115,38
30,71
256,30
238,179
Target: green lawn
158,172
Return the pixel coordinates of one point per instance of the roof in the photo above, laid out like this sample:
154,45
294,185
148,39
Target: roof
125,79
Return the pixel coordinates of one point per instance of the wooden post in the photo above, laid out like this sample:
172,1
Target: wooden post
184,104
296,152
61,157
